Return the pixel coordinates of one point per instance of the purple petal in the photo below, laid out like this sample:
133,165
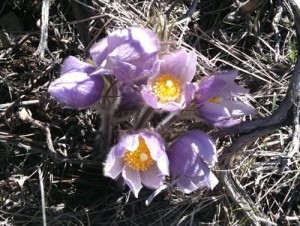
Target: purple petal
205,178
113,166
232,88
209,88
128,142
132,43
130,53
149,98
189,92
131,98
214,112
226,123
77,89
180,64
210,179
171,106
155,144
163,164
190,184
185,149
238,108
99,51
72,64
152,178
133,179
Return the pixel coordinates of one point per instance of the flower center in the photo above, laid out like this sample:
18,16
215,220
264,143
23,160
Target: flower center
167,88
216,100
139,159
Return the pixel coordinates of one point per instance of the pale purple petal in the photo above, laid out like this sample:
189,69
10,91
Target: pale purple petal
187,184
211,179
238,108
180,64
99,51
149,98
163,164
113,166
171,106
184,149
189,92
226,123
155,144
133,179
232,87
183,160
130,53
129,142
72,64
77,89
209,88
205,178
214,112
152,177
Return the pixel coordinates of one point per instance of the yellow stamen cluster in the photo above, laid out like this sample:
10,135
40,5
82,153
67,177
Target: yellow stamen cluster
167,88
216,100
139,159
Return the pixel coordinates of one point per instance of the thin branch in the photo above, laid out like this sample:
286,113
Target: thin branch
43,45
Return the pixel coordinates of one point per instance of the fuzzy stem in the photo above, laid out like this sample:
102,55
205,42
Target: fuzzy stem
172,117
106,130
143,118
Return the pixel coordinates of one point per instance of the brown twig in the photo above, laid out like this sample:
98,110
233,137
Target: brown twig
24,116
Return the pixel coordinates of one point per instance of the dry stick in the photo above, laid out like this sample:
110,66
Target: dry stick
23,115
43,45
275,22
42,196
191,10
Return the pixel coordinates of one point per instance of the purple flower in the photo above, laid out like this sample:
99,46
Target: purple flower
140,158
130,54
130,96
188,155
215,98
171,89
76,88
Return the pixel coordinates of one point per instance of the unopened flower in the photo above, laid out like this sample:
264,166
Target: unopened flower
215,99
140,158
130,96
76,88
171,89
130,54
188,156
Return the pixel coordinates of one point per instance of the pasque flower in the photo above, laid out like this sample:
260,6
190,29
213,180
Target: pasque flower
171,89
140,158
188,156
130,96
76,88
215,100
130,54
